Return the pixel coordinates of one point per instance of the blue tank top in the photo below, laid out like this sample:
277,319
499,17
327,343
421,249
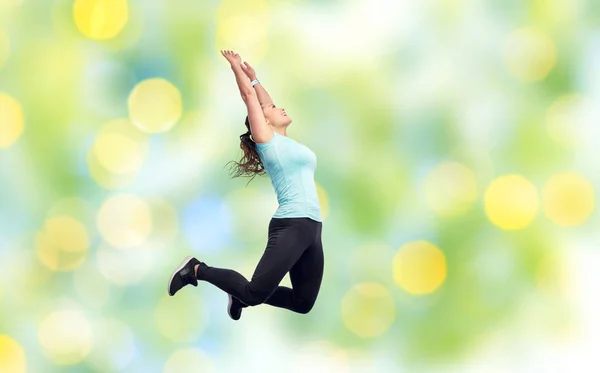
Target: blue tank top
291,167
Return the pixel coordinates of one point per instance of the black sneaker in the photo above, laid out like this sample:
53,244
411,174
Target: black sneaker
234,309
183,275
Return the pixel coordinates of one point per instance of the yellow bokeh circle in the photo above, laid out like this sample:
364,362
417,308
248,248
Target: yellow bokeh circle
118,153
450,189
419,267
66,337
12,356
100,19
568,199
11,120
155,105
104,177
530,55
368,310
245,24
511,202
63,243
124,221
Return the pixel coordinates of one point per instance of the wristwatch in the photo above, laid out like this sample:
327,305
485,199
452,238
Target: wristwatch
254,82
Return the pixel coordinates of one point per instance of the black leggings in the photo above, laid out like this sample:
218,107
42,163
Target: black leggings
294,246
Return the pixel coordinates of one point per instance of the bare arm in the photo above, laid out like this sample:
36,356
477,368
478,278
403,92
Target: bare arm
242,80
261,92
263,96
261,132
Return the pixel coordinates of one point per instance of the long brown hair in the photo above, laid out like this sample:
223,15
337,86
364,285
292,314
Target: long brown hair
250,164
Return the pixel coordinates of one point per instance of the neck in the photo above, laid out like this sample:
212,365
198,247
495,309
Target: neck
281,131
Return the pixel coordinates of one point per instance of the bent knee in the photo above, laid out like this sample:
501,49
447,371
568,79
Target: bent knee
304,306
256,298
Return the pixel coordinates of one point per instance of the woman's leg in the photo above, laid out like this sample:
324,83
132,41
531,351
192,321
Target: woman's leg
306,276
287,241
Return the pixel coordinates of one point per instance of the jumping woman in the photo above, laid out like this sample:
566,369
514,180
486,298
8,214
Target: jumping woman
294,243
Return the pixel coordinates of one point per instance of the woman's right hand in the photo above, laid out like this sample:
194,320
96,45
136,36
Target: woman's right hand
249,71
232,57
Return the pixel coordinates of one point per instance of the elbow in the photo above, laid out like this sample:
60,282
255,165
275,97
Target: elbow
246,95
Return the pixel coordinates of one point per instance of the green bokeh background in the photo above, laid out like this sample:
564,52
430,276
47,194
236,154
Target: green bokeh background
383,92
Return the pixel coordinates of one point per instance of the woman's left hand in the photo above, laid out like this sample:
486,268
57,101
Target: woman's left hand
232,57
250,73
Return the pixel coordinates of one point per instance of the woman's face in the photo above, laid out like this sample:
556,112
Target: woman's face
276,117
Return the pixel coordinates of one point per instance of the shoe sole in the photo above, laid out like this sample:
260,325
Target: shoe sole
229,306
183,264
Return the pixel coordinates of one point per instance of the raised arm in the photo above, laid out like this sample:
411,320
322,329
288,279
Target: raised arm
261,132
261,92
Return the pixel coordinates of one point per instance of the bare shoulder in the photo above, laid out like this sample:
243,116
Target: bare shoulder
262,135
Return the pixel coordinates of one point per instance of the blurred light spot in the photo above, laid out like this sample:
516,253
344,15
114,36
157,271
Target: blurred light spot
91,287
100,19
120,147
4,47
323,200
67,233
75,207
572,120
189,359
12,356
529,54
182,318
124,221
124,267
511,202
165,223
321,356
450,189
105,178
244,24
66,337
11,120
368,310
117,169
568,199
419,267
155,105
114,346
118,153
62,244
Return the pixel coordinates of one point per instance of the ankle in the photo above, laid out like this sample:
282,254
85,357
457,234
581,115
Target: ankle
196,270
